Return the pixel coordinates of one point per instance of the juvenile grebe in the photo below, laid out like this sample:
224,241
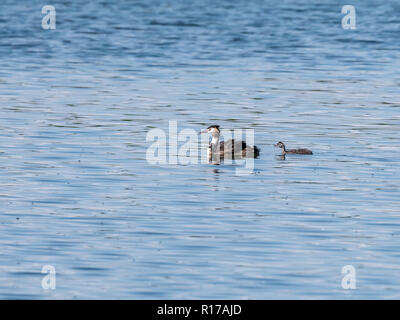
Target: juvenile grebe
229,149
292,151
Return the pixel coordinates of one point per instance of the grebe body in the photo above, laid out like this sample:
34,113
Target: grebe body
292,151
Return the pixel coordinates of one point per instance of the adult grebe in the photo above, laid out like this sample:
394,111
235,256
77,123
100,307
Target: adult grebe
229,149
292,151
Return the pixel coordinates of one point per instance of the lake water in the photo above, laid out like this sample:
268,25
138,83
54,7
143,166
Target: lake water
78,194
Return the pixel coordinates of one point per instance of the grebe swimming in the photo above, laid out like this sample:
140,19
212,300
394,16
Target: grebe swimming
230,149
292,151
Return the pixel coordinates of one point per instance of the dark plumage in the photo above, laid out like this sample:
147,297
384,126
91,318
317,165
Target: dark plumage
292,151
232,149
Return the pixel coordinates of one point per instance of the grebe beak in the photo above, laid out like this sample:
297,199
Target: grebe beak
203,131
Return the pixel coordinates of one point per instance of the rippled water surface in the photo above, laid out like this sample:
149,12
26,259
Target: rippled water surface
77,192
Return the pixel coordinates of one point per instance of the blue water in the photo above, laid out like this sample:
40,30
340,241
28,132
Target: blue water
77,191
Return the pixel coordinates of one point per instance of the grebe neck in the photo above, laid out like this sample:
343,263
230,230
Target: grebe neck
214,142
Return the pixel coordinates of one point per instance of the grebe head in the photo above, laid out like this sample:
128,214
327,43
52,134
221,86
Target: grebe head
280,145
214,130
